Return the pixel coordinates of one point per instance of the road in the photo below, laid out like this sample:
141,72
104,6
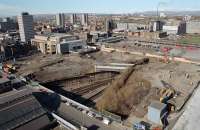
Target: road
71,114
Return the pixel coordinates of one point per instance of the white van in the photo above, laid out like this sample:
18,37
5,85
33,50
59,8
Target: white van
106,121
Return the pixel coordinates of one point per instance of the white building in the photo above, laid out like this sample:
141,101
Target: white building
163,15
187,18
84,19
26,30
122,26
171,29
60,19
131,26
73,18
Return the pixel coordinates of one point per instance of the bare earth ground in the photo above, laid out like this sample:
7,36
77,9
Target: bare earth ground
181,76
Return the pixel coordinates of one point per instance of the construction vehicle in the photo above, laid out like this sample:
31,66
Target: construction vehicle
9,68
167,94
142,126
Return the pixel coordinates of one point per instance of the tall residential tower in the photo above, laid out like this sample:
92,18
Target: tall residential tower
84,19
60,19
26,30
73,18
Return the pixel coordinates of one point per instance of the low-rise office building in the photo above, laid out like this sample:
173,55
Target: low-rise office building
7,24
170,29
70,46
47,43
176,29
94,36
132,26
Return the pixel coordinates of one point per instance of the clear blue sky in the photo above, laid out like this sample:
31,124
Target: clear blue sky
14,7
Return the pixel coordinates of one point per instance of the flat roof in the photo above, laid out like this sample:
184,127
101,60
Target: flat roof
13,95
18,108
55,34
157,105
71,42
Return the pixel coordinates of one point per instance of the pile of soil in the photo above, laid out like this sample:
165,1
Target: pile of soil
125,93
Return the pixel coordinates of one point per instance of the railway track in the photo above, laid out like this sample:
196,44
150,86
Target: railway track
91,87
91,76
97,95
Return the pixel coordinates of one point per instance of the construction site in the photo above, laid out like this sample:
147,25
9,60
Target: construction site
118,82
100,65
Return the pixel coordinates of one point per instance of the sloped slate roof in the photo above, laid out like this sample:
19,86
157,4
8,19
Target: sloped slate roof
18,109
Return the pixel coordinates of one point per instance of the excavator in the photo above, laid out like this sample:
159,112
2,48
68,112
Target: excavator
167,94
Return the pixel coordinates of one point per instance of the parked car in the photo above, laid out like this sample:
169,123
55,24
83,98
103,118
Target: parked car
106,121
90,114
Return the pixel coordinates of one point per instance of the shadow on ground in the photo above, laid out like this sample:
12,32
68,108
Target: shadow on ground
50,101
78,98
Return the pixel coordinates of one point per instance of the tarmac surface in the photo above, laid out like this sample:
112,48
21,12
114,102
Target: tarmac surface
189,120
71,114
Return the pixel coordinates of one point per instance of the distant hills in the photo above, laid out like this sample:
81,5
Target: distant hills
171,13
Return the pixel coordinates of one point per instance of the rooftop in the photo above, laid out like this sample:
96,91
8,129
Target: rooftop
71,42
13,95
55,35
157,105
18,108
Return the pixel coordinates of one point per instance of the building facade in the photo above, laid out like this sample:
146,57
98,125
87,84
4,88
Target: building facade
73,19
178,29
84,19
26,30
47,43
7,24
193,27
171,29
182,27
131,26
70,46
60,19
148,35
157,26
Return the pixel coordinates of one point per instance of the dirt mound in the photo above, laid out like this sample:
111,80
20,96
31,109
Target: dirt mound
126,92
